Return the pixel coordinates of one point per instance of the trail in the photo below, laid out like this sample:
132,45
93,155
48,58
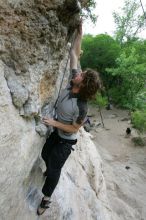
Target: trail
124,165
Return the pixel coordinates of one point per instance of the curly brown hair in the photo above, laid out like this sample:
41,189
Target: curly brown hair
90,85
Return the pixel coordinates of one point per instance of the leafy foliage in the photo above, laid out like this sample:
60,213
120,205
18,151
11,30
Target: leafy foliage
140,48
140,100
100,100
130,76
130,22
139,120
100,52
87,12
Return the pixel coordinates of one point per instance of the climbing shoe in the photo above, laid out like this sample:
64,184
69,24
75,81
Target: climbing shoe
43,206
45,174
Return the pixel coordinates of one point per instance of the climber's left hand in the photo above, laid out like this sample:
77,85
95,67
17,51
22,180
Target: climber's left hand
49,121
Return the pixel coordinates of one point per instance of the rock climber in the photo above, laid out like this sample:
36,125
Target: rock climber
71,112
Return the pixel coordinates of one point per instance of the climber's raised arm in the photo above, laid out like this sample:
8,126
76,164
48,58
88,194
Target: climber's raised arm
76,48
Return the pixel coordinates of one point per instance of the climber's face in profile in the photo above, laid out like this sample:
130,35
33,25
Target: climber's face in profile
77,81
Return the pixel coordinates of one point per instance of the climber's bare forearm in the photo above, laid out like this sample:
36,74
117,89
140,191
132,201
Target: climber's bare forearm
67,128
76,49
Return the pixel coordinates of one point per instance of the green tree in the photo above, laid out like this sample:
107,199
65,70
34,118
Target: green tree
140,48
130,22
131,79
139,120
99,53
87,10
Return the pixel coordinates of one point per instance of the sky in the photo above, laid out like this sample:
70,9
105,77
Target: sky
105,21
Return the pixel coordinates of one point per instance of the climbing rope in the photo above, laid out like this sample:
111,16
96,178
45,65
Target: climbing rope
55,105
53,110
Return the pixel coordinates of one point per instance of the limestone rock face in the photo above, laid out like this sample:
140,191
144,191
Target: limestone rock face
19,148
32,45
34,36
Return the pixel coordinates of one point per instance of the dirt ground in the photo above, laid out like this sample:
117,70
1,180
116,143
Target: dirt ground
124,165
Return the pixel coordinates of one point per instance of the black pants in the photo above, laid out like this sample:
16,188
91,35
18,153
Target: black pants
55,152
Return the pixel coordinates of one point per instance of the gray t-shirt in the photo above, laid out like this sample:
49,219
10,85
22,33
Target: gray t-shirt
70,109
